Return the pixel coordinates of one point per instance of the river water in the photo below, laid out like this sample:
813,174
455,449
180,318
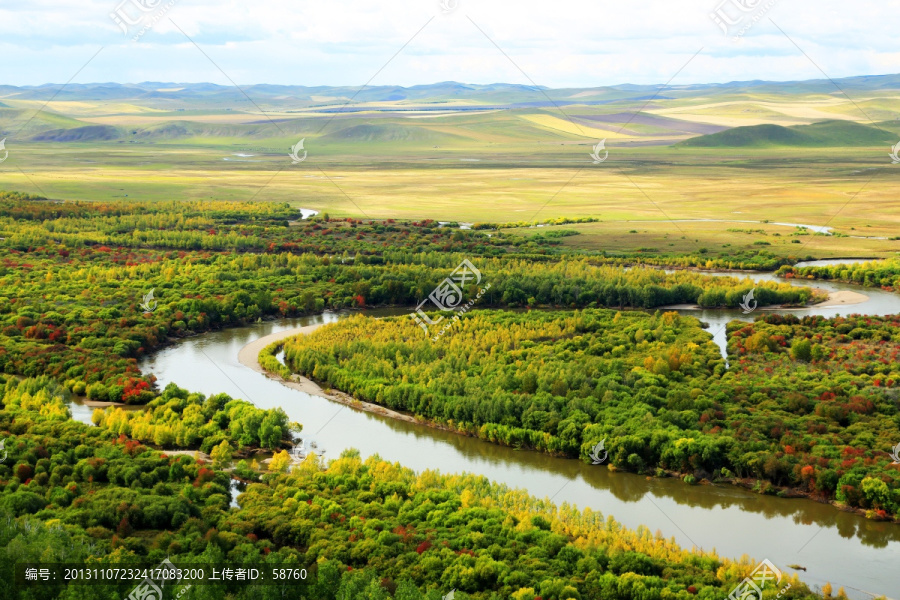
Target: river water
880,303
842,548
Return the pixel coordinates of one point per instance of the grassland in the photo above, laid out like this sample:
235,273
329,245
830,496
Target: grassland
717,239
398,160
635,193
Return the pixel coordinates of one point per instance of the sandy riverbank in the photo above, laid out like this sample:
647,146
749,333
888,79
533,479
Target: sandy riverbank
99,404
249,357
192,453
843,298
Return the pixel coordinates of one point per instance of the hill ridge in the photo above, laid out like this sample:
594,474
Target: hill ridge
824,134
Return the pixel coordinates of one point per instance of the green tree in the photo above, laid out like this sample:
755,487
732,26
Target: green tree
221,454
801,349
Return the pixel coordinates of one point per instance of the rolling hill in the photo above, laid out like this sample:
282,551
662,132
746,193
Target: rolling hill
88,133
825,134
387,133
736,114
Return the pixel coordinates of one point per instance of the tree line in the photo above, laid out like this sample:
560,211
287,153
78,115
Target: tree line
788,415
70,493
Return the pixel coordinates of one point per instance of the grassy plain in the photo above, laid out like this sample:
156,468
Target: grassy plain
492,166
636,189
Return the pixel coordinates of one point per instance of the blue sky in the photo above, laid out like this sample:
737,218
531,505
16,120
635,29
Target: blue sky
564,43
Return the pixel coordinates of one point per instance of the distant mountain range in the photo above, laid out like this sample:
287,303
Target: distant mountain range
500,93
851,111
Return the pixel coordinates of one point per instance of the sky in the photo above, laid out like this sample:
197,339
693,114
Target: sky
559,43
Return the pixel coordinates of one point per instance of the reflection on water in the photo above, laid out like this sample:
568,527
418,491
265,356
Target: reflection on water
236,488
830,262
839,547
880,303
629,488
82,413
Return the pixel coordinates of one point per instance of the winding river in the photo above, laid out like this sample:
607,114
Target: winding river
842,548
879,303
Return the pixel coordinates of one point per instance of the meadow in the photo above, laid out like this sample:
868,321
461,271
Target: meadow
640,195
496,162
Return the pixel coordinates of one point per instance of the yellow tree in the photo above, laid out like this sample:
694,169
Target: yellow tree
280,462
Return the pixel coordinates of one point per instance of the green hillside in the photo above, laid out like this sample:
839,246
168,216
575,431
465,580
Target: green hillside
387,133
88,133
31,122
825,134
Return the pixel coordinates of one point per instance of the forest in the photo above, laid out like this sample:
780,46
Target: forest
74,276
177,419
808,405
551,360
367,529
884,274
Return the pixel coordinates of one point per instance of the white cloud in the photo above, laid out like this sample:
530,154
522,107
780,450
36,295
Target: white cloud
562,43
